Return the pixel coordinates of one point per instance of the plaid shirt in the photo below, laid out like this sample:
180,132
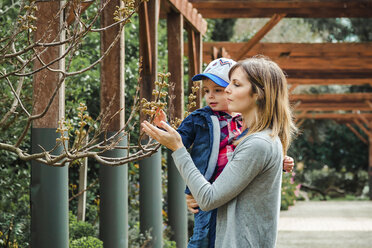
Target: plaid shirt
230,130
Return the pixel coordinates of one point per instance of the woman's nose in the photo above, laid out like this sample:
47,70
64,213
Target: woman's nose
227,90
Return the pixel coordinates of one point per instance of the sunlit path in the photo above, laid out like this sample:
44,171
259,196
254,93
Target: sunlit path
346,224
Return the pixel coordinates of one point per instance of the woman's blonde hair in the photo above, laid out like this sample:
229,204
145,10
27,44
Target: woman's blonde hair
270,84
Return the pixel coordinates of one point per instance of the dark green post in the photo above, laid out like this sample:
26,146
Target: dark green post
49,195
177,210
113,180
151,219
113,226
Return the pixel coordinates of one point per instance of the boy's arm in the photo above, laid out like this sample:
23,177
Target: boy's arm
187,131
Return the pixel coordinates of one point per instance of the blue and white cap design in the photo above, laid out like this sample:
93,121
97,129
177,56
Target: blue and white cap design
217,71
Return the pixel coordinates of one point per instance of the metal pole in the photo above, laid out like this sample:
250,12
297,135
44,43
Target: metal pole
113,226
151,219
49,195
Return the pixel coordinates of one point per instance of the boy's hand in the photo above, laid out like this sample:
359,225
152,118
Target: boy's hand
160,116
288,164
192,205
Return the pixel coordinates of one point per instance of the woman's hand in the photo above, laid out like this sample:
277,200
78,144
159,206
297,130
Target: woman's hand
169,138
288,164
192,205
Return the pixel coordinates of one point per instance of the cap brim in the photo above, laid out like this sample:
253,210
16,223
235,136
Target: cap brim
217,80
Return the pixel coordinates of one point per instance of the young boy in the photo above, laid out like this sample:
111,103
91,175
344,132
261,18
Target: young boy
209,133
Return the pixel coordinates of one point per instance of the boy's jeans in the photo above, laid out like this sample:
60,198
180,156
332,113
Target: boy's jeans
204,233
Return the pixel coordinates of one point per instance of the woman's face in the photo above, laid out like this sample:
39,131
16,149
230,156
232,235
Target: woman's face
240,97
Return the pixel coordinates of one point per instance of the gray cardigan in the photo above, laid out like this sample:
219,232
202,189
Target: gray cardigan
247,193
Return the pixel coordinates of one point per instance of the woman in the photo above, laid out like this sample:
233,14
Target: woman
247,193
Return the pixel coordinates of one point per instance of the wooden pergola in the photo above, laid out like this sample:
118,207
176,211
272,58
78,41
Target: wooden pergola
307,63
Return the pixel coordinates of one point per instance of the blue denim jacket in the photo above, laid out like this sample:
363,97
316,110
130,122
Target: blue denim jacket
200,132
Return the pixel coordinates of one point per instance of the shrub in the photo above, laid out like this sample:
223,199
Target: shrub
290,191
86,242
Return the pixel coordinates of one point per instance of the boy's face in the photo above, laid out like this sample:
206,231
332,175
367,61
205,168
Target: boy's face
214,95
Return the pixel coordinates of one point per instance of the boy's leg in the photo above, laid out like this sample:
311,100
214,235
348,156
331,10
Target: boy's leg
200,236
212,228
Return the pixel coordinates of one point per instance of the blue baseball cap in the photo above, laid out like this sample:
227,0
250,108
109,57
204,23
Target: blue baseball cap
217,71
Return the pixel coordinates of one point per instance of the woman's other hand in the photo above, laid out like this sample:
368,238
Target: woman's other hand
288,164
169,138
192,205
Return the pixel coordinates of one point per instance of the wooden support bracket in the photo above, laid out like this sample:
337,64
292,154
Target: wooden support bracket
260,34
356,133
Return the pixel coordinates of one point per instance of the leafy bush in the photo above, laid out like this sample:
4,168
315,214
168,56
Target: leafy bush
333,183
86,242
79,229
290,191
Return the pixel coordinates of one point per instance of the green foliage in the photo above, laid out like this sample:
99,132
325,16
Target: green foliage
222,30
86,242
329,156
290,191
15,201
79,229
342,29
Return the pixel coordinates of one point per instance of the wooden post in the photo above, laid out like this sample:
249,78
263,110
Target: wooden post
113,180
49,185
151,219
195,60
177,211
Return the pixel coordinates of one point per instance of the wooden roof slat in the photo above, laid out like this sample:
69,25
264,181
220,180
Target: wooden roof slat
293,8
191,14
333,106
337,116
342,98
294,50
342,81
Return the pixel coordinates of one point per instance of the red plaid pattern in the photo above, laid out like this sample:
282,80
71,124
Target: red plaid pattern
230,130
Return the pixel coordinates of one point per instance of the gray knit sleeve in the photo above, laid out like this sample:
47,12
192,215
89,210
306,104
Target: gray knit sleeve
251,157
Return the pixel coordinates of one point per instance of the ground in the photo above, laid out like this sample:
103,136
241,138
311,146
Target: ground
326,224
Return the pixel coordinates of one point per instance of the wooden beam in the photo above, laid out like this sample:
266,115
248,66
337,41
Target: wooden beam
146,46
189,13
360,125
350,97
335,116
195,60
175,60
336,81
260,34
325,73
296,50
332,107
293,8
356,133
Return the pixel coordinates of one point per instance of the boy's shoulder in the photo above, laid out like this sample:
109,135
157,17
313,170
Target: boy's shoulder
202,111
